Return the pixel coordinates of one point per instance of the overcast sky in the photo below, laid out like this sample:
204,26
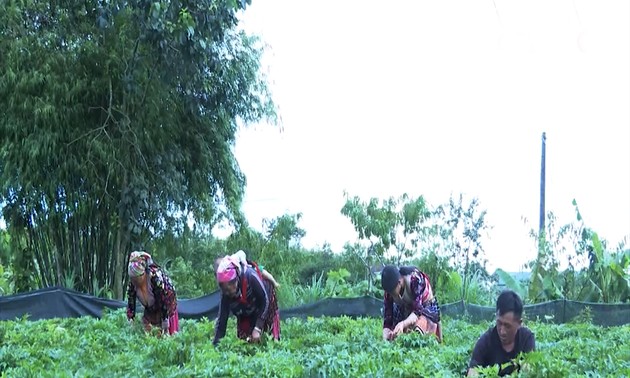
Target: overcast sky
438,97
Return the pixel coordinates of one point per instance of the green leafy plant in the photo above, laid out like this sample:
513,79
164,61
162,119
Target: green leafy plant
6,281
512,283
330,347
596,273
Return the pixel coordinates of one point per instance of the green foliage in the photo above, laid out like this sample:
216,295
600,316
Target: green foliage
451,235
189,257
448,283
448,287
305,275
595,272
23,267
5,248
394,223
284,230
189,281
118,121
546,280
296,295
314,347
512,284
335,285
608,272
8,264
584,317
6,281
480,289
466,228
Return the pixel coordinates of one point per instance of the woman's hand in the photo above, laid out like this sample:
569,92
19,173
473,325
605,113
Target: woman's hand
400,328
388,334
255,335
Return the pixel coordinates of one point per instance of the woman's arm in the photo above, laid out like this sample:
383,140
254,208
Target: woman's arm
388,312
131,301
262,299
221,323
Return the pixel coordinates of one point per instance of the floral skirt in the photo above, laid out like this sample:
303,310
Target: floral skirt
428,321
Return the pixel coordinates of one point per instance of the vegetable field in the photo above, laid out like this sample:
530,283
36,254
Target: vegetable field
321,347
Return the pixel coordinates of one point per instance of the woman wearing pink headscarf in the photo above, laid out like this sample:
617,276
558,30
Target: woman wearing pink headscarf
150,284
250,297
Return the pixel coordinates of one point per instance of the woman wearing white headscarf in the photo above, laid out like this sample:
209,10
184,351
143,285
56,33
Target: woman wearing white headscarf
249,296
153,288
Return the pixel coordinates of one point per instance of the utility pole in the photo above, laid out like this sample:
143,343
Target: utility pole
541,226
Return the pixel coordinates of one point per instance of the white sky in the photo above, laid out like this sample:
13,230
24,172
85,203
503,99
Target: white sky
440,97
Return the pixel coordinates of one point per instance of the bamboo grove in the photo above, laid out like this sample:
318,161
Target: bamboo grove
118,121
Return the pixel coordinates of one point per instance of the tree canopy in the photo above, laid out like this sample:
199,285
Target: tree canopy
118,122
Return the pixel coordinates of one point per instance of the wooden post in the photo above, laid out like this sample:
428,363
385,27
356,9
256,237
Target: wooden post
541,226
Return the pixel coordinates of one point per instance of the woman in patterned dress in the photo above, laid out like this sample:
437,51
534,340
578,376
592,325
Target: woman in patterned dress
409,303
153,288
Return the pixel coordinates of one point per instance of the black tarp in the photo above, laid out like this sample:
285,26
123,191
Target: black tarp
53,302
58,302
603,314
354,307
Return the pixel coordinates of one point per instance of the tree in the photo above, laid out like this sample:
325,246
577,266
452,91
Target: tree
282,238
278,248
466,226
595,273
284,230
118,122
395,223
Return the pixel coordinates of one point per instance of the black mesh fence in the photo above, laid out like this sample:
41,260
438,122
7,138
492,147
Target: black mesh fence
57,302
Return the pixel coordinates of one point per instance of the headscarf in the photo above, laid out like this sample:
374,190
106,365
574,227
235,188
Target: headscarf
227,270
138,262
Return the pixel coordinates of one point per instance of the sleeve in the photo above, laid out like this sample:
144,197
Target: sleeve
262,299
221,323
162,291
530,343
131,301
417,285
388,311
479,352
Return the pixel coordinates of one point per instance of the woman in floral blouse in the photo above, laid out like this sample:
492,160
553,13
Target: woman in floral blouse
409,303
150,284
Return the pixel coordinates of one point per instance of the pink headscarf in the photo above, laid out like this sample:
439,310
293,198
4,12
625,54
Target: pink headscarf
138,262
226,271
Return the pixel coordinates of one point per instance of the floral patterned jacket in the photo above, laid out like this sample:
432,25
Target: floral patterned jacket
423,302
163,291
